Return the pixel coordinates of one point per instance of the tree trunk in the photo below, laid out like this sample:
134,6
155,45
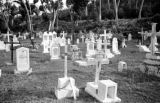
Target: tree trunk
116,11
100,14
109,5
86,11
53,22
140,11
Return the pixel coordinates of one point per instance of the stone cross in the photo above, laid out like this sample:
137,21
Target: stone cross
99,57
82,37
65,62
142,35
153,36
8,40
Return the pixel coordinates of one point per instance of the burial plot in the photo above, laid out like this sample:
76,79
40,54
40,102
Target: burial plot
115,46
66,85
55,51
152,62
23,62
104,91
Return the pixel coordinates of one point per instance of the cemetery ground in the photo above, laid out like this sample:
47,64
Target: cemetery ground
39,86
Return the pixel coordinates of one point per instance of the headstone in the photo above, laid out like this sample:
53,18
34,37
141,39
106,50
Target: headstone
23,62
66,85
50,38
108,53
45,43
0,72
55,51
152,46
77,40
69,41
82,37
99,44
124,43
129,37
90,49
122,66
54,34
115,46
7,47
2,45
15,40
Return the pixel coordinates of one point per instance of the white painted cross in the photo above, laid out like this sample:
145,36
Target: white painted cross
65,62
153,36
82,37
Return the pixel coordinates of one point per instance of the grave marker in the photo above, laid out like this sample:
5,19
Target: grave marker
66,85
104,91
23,62
115,46
55,51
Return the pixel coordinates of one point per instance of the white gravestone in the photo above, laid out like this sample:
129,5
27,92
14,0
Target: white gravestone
77,40
122,66
45,42
90,49
124,43
129,37
99,44
7,47
2,45
55,51
115,46
107,51
15,40
152,46
82,37
50,38
69,41
104,91
66,85
23,62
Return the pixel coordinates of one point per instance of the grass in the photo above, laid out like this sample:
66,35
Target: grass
133,86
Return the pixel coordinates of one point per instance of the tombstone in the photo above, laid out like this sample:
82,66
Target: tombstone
68,41
107,51
129,37
82,37
90,49
2,45
77,40
63,41
45,43
152,46
115,46
66,85
15,40
50,38
99,44
55,51
54,34
122,66
104,91
23,62
7,47
124,43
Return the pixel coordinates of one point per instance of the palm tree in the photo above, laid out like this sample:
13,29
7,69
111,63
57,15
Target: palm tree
140,11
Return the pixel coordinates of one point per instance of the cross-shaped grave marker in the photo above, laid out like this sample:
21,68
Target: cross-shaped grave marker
66,85
12,48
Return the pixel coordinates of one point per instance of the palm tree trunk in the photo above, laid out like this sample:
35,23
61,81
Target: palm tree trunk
116,11
140,11
100,14
109,5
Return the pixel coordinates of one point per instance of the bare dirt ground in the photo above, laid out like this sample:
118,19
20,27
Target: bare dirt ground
38,87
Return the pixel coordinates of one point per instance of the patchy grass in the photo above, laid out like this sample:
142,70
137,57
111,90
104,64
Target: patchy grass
133,86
